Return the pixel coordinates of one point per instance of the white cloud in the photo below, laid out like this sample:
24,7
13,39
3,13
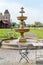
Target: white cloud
14,8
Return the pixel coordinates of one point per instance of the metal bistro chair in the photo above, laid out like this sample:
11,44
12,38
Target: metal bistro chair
23,52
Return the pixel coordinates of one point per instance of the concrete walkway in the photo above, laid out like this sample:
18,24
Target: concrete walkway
12,57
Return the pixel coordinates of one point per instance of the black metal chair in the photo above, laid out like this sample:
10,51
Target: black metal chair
23,52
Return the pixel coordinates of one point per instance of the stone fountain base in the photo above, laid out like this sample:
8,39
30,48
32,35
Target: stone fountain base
22,39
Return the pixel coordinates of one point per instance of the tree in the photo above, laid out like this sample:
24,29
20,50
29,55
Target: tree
38,24
13,24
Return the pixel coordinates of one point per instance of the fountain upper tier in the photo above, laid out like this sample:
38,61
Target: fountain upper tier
22,17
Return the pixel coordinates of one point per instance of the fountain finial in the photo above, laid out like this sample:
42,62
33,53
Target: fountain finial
22,11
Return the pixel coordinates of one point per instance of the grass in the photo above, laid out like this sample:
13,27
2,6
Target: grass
7,33
38,32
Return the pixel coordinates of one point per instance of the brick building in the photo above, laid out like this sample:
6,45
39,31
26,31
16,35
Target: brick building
5,20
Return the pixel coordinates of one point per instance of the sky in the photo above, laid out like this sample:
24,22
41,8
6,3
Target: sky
33,9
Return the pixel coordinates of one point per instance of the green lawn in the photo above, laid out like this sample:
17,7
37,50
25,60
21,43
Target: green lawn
7,33
38,32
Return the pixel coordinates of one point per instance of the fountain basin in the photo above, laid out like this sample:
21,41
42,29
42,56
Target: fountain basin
22,30
13,44
22,18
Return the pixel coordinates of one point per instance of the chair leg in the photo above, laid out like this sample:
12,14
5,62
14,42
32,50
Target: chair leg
20,59
25,57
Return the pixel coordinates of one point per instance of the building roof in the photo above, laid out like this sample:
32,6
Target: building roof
6,12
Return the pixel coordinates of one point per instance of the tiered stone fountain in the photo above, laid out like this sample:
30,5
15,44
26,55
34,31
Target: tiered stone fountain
13,44
22,28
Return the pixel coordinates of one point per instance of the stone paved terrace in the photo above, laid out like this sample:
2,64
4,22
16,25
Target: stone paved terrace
12,57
